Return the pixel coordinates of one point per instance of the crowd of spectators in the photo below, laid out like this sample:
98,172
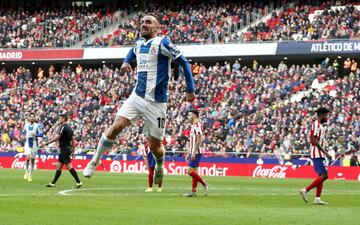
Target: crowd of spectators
295,23
257,100
31,28
245,110
204,23
193,24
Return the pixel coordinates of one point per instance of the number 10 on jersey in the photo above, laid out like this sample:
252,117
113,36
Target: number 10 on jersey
161,122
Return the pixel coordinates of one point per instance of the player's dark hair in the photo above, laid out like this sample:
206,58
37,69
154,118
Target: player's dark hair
322,110
195,112
153,15
64,116
32,114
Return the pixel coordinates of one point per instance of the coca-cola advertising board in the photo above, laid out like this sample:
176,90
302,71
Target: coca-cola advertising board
205,169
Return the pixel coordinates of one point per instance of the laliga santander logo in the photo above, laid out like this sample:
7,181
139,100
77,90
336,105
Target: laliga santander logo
115,167
212,170
127,167
275,172
20,164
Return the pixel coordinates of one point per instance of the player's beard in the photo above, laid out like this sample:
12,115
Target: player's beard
148,33
323,120
146,36
145,33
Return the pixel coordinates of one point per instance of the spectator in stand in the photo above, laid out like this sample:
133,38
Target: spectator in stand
353,67
347,67
354,161
5,138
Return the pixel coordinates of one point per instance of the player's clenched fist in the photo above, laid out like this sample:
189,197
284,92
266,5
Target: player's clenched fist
125,68
190,97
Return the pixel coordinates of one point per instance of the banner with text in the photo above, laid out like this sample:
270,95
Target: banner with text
205,169
41,54
327,47
209,50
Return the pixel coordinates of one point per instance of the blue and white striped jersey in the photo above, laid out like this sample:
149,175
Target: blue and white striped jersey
32,131
154,67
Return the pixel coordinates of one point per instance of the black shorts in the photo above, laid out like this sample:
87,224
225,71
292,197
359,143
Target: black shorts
65,154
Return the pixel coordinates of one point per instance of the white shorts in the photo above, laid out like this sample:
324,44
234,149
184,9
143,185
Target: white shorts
31,152
154,112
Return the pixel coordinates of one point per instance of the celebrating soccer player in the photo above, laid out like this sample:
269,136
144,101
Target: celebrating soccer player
149,98
318,154
195,153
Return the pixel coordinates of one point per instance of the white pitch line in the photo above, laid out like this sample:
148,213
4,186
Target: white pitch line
242,191
35,194
66,193
293,193
168,194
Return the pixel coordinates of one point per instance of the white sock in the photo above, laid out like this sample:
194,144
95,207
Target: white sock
103,145
27,165
32,166
317,198
29,168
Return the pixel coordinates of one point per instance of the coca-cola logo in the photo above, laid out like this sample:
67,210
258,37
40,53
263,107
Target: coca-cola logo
275,172
339,176
18,164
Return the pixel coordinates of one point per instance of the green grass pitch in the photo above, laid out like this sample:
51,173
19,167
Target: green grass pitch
109,198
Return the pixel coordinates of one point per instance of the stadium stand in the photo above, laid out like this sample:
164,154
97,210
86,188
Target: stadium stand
204,24
306,22
272,104
43,28
195,24
256,109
